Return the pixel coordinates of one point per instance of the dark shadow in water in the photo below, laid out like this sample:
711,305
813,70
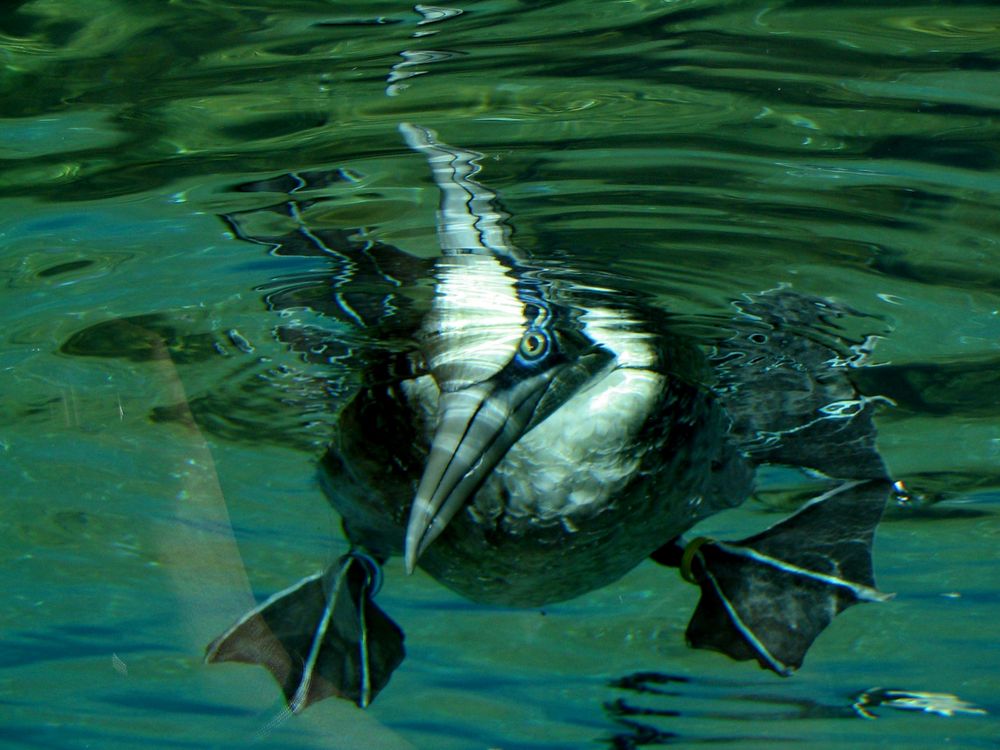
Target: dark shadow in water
137,339
61,643
961,153
637,713
249,398
896,264
954,389
150,701
62,268
54,736
648,725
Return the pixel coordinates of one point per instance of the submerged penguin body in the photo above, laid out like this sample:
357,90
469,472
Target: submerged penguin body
536,439
624,465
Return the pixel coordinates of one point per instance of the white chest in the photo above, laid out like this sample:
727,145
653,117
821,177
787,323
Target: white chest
577,461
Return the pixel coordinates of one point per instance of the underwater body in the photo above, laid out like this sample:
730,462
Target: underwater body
537,442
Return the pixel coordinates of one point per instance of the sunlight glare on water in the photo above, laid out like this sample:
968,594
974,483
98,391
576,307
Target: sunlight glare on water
162,429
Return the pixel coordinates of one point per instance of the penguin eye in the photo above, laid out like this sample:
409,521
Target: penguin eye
533,344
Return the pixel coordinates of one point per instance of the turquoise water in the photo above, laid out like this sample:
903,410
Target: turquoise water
695,150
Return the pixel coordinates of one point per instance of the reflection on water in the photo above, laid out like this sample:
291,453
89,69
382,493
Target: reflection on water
687,153
644,714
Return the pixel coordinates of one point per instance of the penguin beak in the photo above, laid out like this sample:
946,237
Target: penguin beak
477,425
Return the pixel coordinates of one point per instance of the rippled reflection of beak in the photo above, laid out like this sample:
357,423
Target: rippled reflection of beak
476,427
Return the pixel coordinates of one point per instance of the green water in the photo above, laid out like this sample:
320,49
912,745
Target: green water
697,150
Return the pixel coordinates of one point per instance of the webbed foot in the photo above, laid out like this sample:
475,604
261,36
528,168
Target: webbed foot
768,597
322,637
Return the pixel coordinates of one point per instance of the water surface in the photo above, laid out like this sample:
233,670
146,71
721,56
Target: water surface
694,151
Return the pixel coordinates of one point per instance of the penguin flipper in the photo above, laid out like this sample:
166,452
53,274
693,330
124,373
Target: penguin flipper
768,597
322,637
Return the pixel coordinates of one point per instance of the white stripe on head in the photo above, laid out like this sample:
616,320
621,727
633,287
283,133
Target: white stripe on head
476,321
